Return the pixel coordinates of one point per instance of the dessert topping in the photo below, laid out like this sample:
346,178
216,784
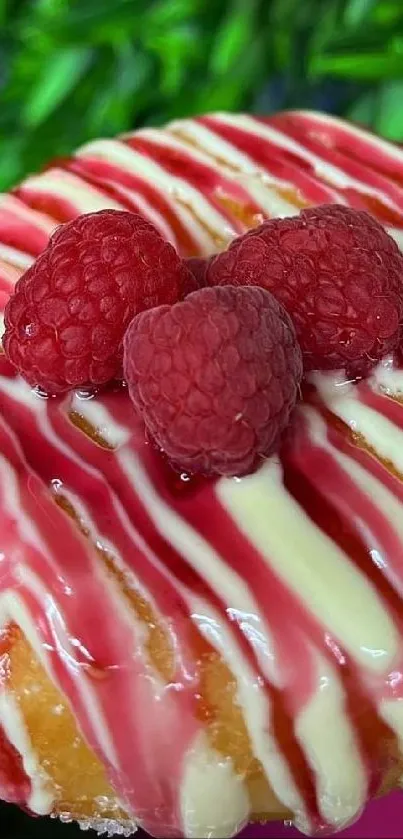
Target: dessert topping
339,275
66,319
215,377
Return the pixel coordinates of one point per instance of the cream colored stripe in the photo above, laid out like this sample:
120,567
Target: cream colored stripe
148,169
211,143
390,149
329,742
16,258
42,795
255,706
318,573
70,188
26,214
381,434
199,554
330,173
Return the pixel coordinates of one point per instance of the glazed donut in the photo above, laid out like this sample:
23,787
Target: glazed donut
182,655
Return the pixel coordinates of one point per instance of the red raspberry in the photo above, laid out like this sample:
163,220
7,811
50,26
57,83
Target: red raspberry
215,378
66,319
198,266
338,274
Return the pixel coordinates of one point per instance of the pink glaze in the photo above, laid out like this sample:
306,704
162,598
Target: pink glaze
67,572
283,164
357,168
14,231
204,177
142,729
15,787
341,136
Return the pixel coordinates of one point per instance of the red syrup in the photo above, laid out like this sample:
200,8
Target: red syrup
96,474
203,177
194,500
60,209
377,742
293,167
106,643
280,162
347,139
354,167
15,230
15,786
99,173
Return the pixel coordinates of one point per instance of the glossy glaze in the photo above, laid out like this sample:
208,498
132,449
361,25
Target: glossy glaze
294,575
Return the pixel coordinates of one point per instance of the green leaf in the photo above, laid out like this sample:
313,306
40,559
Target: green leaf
57,80
368,67
11,166
390,113
363,110
388,11
357,11
111,106
167,13
233,38
323,33
74,69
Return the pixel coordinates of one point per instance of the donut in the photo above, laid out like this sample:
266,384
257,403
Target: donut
183,655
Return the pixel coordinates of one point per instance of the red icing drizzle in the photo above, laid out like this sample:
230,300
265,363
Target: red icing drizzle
280,162
100,172
15,786
357,144
94,474
354,167
59,208
15,231
150,737
207,179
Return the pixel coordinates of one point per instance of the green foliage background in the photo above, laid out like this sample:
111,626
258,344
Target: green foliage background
74,69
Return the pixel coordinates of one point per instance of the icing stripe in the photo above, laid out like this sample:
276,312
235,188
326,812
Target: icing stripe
219,566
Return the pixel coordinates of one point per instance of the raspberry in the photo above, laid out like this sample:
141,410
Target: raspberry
66,319
214,378
198,266
338,274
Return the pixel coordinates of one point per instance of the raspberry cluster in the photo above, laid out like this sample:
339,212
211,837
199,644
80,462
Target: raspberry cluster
213,350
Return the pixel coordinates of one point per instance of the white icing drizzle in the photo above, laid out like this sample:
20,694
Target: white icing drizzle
42,796
98,417
15,257
131,160
351,130
213,799
68,187
256,710
323,573
201,556
329,741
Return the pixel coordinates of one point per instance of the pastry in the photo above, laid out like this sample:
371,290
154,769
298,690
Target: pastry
182,654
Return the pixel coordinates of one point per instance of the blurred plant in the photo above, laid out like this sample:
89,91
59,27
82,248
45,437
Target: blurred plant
74,69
